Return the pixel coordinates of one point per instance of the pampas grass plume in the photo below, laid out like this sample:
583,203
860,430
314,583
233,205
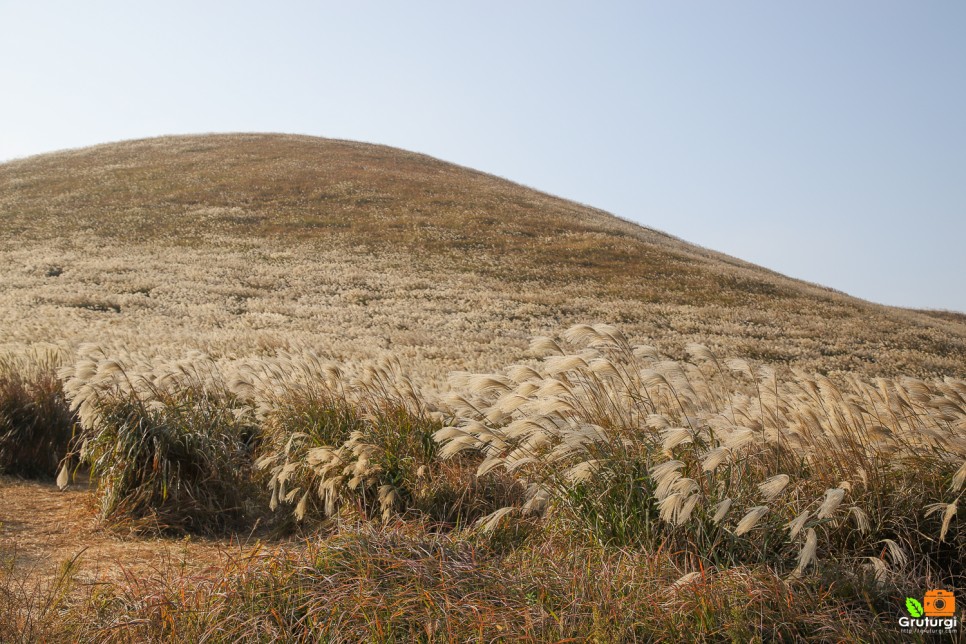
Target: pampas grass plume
751,519
773,486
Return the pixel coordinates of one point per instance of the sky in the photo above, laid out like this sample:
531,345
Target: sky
825,140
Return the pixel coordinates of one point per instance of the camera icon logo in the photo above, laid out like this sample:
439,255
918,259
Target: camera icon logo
939,603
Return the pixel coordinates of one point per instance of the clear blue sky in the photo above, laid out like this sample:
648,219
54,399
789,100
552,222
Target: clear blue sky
825,140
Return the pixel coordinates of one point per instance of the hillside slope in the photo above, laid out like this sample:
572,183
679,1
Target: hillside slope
243,244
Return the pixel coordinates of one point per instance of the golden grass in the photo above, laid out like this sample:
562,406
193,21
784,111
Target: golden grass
640,482
638,449
386,585
240,244
35,422
228,302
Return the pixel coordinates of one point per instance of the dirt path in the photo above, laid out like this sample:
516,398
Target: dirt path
42,527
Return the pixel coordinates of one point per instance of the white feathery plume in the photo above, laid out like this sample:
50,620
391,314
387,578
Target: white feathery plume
958,479
482,383
664,476
833,497
773,486
604,367
674,436
700,352
687,508
740,437
896,552
880,569
860,517
582,472
645,351
559,364
543,346
740,366
63,477
751,519
302,506
720,510
490,522
659,471
949,511
580,334
669,507
521,373
714,458
684,580
807,555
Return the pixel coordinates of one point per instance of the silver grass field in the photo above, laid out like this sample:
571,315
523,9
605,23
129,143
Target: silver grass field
724,465
365,395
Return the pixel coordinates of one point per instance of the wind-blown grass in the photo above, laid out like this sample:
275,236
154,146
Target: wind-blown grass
167,448
237,245
723,461
333,440
601,492
607,491
35,422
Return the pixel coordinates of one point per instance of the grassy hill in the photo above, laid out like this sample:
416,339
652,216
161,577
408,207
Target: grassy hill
577,428
239,244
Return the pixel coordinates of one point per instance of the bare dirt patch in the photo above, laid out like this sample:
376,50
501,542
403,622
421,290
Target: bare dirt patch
42,527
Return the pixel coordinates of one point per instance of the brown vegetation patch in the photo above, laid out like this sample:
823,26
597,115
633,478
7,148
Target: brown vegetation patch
41,527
